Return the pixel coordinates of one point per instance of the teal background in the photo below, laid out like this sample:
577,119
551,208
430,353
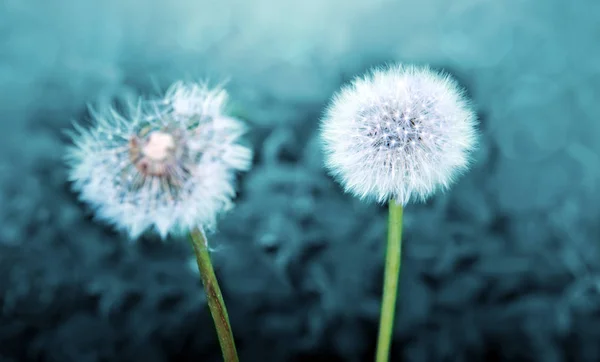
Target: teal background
504,266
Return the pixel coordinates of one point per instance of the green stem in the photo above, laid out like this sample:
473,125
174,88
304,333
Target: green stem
390,279
213,296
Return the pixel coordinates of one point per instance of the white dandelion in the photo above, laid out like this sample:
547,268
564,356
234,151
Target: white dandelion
169,167
400,133
397,134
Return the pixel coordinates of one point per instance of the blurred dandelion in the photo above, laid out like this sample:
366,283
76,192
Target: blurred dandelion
397,134
168,165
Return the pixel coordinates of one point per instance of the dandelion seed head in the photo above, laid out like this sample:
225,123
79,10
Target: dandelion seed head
160,169
400,133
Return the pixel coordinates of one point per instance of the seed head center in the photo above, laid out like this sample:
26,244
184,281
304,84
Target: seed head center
392,129
159,146
155,154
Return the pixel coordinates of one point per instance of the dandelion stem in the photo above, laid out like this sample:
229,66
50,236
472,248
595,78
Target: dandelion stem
213,296
390,280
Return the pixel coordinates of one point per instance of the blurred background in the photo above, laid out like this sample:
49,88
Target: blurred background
505,266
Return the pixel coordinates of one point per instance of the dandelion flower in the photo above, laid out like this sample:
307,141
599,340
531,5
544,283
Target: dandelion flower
397,134
167,167
400,133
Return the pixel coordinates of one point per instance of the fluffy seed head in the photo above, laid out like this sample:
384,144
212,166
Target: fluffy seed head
400,133
165,167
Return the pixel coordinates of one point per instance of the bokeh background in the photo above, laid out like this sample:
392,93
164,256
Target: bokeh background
504,267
